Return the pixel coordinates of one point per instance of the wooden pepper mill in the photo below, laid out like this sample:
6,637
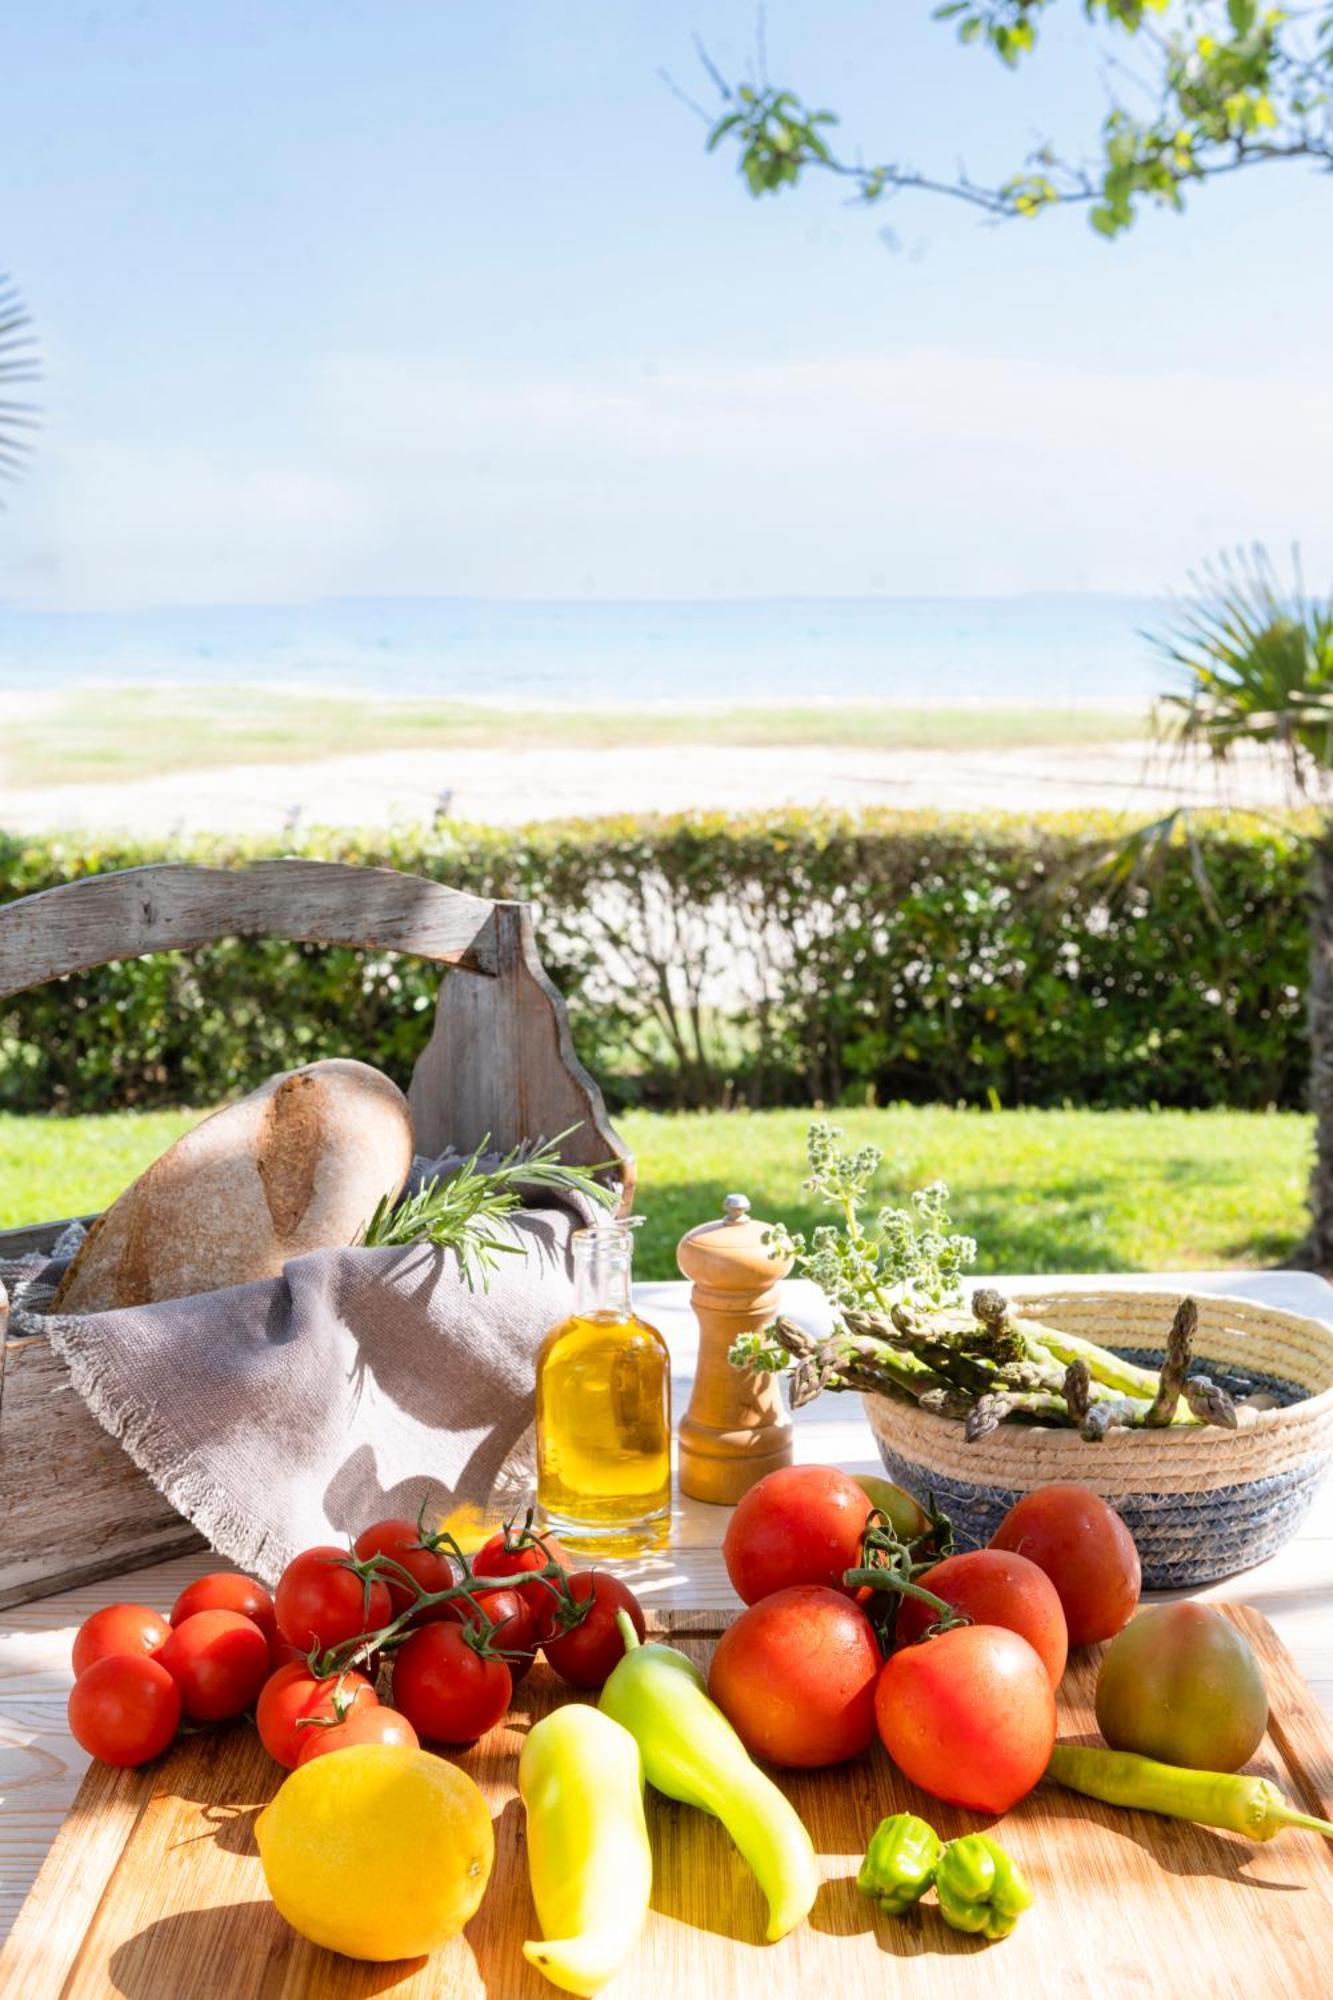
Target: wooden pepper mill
736,1428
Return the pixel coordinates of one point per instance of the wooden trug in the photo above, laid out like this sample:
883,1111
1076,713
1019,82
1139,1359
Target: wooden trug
500,1064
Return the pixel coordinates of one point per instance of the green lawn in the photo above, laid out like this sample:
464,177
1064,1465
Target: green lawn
132,732
1041,1190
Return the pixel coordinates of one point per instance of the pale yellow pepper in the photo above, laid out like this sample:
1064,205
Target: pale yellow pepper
580,1777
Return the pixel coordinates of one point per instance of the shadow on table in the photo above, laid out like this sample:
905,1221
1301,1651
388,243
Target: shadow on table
236,1948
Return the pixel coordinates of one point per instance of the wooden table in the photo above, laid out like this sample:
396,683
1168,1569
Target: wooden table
40,1765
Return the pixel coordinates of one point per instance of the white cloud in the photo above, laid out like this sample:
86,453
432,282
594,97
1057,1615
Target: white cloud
917,470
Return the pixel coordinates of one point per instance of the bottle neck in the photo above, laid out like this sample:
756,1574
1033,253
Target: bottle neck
603,1260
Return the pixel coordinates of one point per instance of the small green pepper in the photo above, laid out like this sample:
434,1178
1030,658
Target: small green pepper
980,1888
900,1863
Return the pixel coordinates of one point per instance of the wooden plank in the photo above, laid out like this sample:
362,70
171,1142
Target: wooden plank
500,1064
175,906
36,1237
73,1505
154,1888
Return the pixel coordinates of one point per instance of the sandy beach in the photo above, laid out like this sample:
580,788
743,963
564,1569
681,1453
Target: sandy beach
504,787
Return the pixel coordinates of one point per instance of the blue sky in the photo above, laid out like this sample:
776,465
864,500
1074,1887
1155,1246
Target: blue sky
442,297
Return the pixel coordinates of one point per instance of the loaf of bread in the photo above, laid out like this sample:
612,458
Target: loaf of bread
298,1165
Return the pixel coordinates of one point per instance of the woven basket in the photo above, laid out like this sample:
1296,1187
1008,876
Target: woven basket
1201,1503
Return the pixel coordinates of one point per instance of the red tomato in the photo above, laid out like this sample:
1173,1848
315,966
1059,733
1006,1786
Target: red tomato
994,1587
969,1716
509,1612
228,1590
124,1708
219,1661
118,1628
802,1524
373,1724
584,1654
795,1676
292,1693
1085,1549
401,1540
320,1602
514,1553
447,1691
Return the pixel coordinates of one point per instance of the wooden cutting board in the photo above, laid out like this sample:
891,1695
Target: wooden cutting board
153,1889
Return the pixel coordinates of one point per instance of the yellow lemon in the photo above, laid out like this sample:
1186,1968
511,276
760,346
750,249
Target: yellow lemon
377,1851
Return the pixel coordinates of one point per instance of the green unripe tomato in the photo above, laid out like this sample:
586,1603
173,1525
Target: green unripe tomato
904,1514
1181,1684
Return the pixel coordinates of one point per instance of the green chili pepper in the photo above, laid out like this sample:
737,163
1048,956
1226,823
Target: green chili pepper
691,1752
900,1863
1251,1806
980,1888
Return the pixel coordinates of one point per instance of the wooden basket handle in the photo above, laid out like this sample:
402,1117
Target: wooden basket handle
500,1061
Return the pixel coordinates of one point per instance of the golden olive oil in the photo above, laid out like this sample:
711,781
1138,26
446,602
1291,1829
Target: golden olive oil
604,1410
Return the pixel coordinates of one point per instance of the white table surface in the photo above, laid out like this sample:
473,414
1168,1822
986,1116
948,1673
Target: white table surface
41,1765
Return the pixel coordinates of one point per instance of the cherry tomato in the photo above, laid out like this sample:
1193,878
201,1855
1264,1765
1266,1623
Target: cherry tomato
320,1602
511,1615
124,1708
447,1691
400,1539
228,1590
994,1587
1085,1549
802,1524
219,1661
510,1553
968,1715
293,1692
118,1628
795,1676
584,1654
372,1724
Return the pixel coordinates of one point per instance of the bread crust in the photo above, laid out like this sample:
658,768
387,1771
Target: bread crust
298,1165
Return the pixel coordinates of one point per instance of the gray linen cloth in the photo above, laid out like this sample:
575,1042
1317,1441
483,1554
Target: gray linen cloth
359,1384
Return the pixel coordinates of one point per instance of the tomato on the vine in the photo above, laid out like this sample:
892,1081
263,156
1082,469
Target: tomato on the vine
124,1708
219,1661
449,1692
968,1715
1085,1549
293,1693
801,1524
115,1629
585,1653
517,1553
993,1587
510,1614
370,1723
795,1676
228,1590
400,1540
320,1602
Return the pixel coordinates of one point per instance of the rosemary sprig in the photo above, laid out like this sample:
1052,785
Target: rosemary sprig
466,1210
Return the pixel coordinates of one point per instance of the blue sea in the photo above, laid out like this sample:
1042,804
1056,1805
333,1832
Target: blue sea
1054,648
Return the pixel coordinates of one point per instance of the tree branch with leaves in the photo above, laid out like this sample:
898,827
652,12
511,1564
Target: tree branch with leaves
1227,85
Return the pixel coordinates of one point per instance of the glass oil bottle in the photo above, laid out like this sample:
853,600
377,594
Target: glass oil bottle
604,1410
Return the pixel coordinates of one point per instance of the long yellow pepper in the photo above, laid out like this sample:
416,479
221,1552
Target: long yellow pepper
580,1777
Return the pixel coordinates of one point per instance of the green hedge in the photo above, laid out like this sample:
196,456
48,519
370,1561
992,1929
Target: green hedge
774,959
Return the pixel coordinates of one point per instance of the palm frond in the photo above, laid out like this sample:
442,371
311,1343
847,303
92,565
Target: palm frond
1257,657
19,367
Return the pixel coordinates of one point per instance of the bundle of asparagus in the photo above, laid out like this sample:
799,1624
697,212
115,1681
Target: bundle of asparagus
904,1330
